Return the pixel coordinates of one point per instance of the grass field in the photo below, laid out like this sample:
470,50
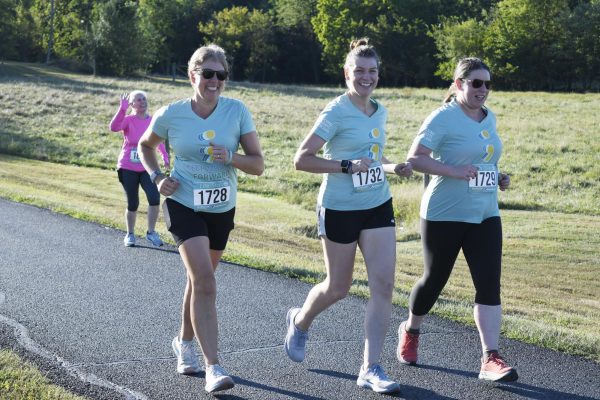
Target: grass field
59,154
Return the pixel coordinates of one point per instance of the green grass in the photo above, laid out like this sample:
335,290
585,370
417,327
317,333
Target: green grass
58,122
20,380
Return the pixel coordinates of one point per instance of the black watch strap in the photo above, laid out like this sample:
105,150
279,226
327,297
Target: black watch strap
345,165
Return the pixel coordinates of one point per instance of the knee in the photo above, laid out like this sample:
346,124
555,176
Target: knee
383,288
204,285
338,291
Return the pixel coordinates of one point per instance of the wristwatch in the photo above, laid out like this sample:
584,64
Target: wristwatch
345,164
154,175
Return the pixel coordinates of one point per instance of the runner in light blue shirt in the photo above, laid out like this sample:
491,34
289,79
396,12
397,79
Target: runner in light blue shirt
458,145
204,185
354,210
349,134
455,139
205,133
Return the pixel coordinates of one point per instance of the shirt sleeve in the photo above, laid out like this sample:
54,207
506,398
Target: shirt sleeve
246,122
431,134
159,123
117,122
326,124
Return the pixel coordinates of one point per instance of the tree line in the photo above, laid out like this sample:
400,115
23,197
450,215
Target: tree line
528,44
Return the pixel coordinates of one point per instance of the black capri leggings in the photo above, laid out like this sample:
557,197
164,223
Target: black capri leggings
442,240
131,181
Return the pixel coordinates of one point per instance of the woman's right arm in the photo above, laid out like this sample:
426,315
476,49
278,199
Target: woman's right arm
116,124
306,158
147,151
420,158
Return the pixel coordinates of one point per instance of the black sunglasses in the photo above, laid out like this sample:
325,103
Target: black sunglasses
477,83
209,73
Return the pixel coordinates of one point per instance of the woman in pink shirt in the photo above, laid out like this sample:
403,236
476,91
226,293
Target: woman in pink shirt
131,172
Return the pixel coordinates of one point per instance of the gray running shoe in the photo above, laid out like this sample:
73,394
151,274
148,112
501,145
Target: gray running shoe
129,240
295,339
154,238
375,379
217,379
187,361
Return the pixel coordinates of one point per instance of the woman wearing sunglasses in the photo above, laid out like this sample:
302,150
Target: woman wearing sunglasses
205,132
130,170
354,210
458,145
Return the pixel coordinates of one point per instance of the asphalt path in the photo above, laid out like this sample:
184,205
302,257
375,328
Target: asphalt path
98,318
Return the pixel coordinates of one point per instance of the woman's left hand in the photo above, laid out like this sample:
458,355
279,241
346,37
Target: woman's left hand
220,154
403,169
503,181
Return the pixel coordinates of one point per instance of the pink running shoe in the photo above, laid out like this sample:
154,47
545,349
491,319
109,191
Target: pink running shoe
408,343
494,368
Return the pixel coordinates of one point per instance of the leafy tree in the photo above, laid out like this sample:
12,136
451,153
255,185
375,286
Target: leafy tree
454,40
582,45
524,38
338,22
298,50
247,38
9,30
121,48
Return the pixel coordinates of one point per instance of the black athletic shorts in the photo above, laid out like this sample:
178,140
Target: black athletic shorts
345,226
185,223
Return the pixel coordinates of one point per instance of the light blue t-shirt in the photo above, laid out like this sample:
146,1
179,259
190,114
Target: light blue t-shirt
349,135
456,139
204,185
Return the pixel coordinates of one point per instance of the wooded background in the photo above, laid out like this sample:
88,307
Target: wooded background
529,44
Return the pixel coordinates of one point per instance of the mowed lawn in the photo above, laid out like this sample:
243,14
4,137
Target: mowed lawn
55,124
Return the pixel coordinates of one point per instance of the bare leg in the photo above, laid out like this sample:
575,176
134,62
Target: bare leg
339,262
152,217
187,330
202,292
130,217
379,250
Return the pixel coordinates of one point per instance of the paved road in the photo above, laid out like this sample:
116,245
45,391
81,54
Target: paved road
98,318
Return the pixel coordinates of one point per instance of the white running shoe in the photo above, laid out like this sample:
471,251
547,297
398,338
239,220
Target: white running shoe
295,339
217,379
154,238
187,360
375,379
129,240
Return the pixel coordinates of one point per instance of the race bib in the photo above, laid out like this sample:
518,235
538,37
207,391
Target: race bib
134,156
369,180
486,179
209,197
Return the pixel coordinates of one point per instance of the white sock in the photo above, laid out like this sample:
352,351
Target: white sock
488,319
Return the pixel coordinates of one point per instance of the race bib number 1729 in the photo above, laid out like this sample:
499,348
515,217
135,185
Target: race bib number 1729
486,179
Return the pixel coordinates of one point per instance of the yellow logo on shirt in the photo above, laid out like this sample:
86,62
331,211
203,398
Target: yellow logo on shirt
484,134
489,152
209,135
374,152
374,133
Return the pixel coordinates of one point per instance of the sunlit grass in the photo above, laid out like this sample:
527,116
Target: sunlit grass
20,380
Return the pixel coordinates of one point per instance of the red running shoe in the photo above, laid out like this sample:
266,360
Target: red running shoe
494,368
408,343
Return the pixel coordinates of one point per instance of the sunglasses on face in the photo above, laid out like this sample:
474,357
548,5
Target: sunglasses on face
477,83
209,73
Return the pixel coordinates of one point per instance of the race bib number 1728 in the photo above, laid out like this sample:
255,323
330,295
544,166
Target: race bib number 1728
211,197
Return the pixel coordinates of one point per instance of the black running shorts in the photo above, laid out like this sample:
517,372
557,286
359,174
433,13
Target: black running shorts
185,223
345,226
